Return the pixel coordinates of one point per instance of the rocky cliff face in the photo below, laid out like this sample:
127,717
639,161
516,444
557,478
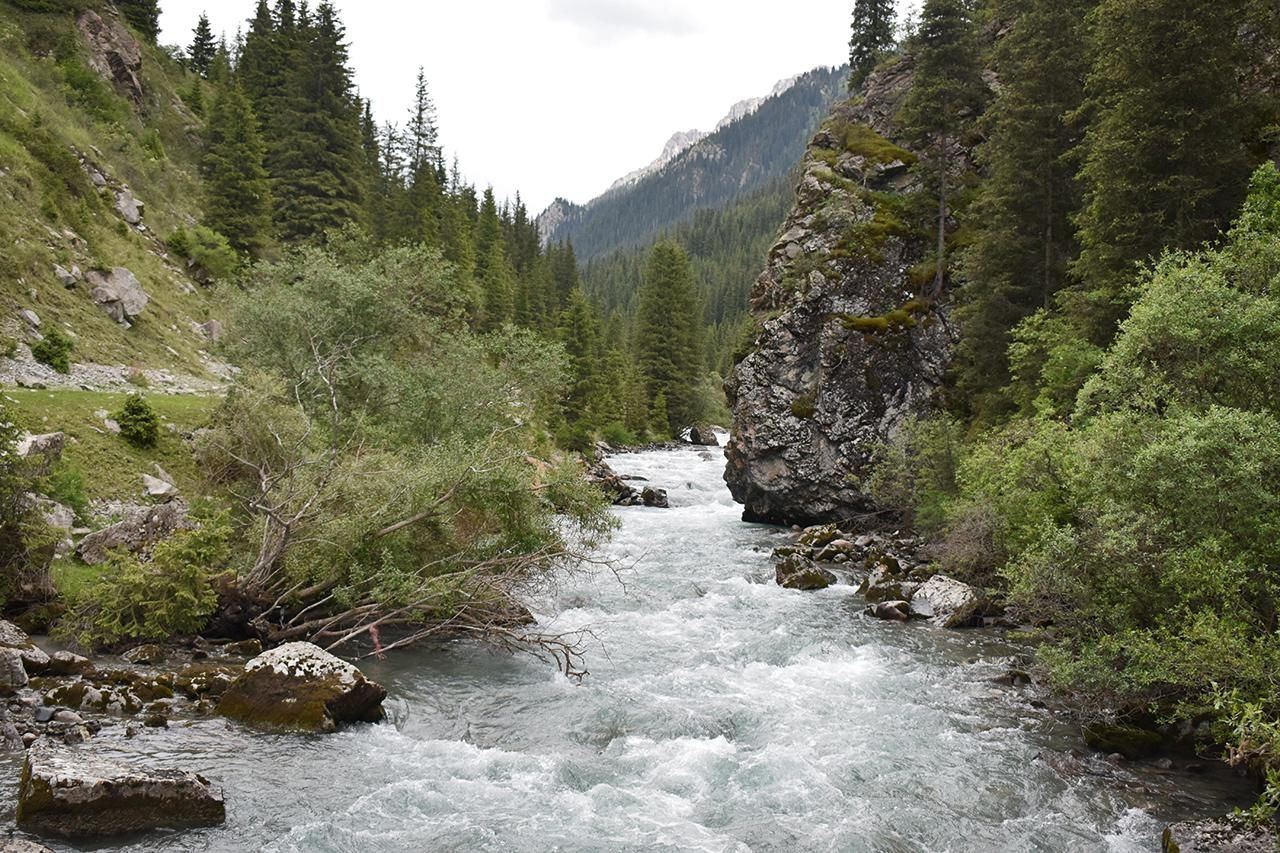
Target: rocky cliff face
847,350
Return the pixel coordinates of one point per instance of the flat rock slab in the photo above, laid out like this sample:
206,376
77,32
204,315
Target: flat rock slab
302,687
74,794
1226,834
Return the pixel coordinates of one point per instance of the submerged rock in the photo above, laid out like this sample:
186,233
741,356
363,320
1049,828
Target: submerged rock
948,602
797,572
655,498
74,794
301,686
1227,834
891,611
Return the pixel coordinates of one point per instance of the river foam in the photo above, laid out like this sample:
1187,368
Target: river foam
722,713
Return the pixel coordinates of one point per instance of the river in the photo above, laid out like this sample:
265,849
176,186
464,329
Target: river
721,713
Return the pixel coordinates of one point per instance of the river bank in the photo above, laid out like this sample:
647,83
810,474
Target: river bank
721,712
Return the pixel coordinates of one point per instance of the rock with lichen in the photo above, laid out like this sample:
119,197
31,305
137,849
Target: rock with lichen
300,686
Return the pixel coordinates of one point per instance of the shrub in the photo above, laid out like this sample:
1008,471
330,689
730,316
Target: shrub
8,346
65,484
139,424
209,256
173,593
153,145
54,349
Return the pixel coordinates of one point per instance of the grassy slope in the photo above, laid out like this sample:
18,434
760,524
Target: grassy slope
50,111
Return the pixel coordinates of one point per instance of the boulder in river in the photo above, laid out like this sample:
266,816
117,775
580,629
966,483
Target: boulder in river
12,675
301,686
1118,738
34,659
884,585
891,611
948,602
655,498
703,435
1227,834
797,572
74,794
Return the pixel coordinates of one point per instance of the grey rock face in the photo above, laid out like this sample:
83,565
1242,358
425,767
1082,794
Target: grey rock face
68,278
48,447
129,206
814,398
136,534
948,603
13,677
113,52
73,794
34,659
119,293
1226,834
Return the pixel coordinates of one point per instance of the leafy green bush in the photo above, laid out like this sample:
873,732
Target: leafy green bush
208,254
139,424
54,349
65,484
26,542
174,592
85,89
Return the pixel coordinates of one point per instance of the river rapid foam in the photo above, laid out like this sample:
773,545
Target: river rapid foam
721,713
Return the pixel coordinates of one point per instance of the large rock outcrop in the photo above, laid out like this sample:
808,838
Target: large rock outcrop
848,349
119,294
113,52
77,795
300,686
137,534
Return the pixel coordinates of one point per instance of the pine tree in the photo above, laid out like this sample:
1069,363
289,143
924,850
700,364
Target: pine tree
668,333
422,134
315,164
946,96
874,25
579,333
142,15
1165,164
237,194
203,47
1023,238
261,67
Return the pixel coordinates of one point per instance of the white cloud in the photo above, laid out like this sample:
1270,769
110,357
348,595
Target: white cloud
561,97
625,18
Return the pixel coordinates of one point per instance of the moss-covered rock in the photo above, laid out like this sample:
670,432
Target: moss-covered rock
76,795
1130,741
300,686
797,572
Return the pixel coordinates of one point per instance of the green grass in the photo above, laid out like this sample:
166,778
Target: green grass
50,213
110,467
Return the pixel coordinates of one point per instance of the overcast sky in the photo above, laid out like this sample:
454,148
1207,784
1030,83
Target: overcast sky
562,97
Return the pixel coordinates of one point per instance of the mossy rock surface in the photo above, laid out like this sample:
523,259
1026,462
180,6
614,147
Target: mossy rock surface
301,687
1130,741
73,794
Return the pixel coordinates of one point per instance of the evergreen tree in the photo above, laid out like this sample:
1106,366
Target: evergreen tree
579,333
316,163
946,96
1023,239
237,194
874,24
142,15
261,67
422,135
668,334
1164,161
203,47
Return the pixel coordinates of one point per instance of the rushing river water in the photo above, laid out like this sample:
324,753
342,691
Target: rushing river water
722,713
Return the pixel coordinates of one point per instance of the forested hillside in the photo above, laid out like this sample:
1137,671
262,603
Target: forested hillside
736,160
1065,190
309,377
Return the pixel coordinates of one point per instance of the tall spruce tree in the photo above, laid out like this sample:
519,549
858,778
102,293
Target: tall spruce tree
142,15
874,27
1165,164
946,97
203,47
237,192
579,333
1023,237
669,334
316,165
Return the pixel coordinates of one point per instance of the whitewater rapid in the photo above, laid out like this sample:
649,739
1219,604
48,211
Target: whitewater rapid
721,713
